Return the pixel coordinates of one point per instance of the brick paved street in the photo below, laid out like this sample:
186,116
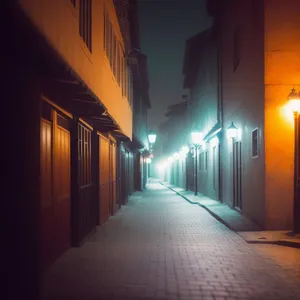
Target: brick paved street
161,247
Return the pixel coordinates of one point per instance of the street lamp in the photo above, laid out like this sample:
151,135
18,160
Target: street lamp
294,104
196,140
232,131
185,150
176,156
152,137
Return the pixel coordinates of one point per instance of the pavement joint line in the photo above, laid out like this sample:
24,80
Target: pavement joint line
279,243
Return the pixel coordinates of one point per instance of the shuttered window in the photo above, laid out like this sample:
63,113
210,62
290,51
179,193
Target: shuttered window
85,22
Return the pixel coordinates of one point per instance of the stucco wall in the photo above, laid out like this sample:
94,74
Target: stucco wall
282,71
58,21
204,106
243,104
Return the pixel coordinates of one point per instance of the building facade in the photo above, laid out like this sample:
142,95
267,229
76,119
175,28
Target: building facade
200,71
69,80
240,72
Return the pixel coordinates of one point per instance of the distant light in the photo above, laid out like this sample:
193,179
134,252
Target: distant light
161,166
170,159
148,160
185,150
214,141
176,156
152,138
197,137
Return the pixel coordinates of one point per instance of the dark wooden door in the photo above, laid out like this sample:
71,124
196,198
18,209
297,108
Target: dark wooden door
55,187
104,189
86,204
237,176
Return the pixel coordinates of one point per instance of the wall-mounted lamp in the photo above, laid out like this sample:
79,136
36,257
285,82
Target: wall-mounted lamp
176,156
214,141
185,150
152,137
196,138
232,131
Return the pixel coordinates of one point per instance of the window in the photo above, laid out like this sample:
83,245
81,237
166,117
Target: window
73,2
85,22
236,48
255,144
114,52
119,64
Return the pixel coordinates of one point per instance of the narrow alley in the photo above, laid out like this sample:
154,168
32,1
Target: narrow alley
161,247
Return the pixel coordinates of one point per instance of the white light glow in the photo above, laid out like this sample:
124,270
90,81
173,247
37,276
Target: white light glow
170,159
232,131
148,160
197,137
176,156
152,138
214,141
185,150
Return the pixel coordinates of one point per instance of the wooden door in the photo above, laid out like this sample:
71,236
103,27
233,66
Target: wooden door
104,179
113,178
55,187
237,176
62,182
86,215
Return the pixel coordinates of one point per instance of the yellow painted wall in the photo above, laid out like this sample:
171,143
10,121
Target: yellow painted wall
282,70
58,21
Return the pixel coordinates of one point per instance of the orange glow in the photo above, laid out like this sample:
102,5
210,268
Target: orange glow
294,105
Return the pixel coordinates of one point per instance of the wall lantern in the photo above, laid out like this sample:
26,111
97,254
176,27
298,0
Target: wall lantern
176,156
152,137
185,150
196,138
232,131
214,141
294,101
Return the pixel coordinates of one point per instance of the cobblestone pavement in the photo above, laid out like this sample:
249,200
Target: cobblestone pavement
161,247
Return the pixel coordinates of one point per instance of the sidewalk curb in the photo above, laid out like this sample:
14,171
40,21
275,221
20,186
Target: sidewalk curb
279,243
201,205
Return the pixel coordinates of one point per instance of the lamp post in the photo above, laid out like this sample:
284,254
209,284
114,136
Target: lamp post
152,139
196,140
294,104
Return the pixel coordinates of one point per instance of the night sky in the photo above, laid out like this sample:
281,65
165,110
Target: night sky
164,27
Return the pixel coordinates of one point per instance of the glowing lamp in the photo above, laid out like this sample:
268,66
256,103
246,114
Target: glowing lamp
176,156
197,137
214,141
232,131
294,101
152,138
185,150
148,160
